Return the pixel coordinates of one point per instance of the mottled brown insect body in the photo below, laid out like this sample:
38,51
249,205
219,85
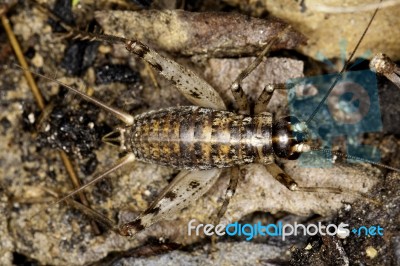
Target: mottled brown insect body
192,137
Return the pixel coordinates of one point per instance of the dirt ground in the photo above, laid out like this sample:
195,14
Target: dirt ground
32,173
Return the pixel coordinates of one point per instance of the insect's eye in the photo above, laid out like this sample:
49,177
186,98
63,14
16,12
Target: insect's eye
287,135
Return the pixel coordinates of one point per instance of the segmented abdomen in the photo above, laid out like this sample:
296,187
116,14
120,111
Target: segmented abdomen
193,137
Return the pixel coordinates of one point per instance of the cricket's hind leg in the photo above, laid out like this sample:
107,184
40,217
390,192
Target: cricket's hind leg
186,188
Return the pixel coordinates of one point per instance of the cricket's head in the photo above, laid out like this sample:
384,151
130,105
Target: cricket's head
290,137
118,137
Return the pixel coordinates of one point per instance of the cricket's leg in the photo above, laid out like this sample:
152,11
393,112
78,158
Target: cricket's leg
266,95
288,181
180,193
194,88
230,192
383,65
236,88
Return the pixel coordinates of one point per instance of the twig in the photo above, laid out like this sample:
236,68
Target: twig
39,100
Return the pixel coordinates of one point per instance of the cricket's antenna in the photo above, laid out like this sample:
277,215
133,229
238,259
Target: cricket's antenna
129,158
89,36
121,115
340,74
46,10
78,34
355,158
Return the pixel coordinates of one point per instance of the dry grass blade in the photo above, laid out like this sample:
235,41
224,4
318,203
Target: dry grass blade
39,99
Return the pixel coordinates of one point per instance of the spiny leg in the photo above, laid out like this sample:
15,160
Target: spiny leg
180,193
383,65
288,181
111,225
236,88
230,192
265,97
194,88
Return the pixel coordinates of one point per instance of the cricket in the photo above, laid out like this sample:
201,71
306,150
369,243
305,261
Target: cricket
205,138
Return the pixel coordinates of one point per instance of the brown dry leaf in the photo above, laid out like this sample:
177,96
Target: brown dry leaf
331,32
214,34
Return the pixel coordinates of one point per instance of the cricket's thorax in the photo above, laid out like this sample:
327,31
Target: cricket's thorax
200,138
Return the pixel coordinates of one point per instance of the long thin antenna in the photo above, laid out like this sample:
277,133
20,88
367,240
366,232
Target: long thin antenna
121,115
77,34
129,158
352,157
340,74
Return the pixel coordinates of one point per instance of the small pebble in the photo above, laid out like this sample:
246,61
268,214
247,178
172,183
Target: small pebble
371,252
37,60
308,247
31,118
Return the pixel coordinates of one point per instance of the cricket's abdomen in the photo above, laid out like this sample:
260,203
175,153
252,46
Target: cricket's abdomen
200,138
